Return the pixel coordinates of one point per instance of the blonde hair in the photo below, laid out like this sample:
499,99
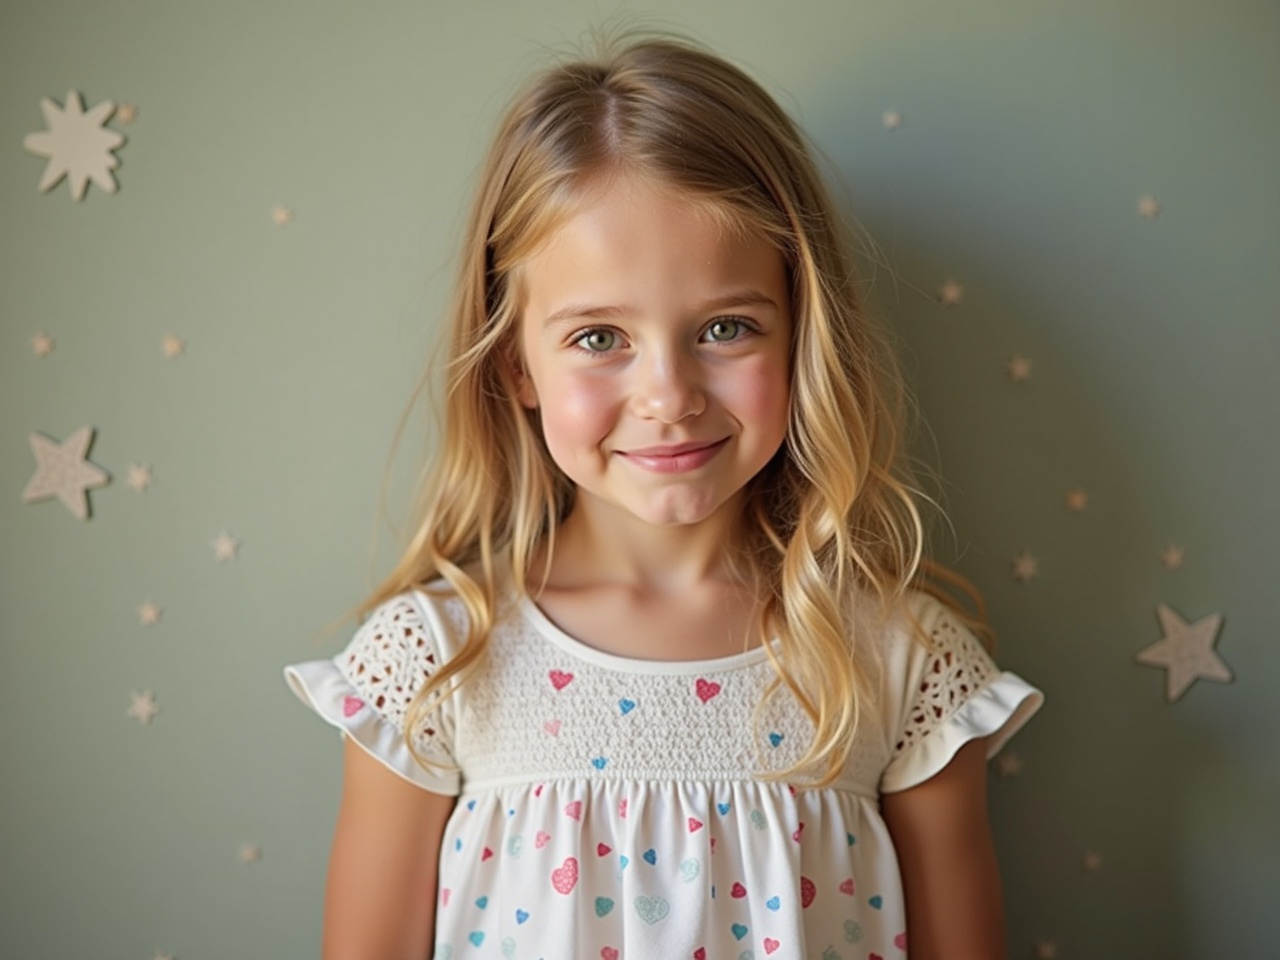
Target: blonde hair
833,513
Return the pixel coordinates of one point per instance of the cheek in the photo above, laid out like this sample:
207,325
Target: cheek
576,411
759,397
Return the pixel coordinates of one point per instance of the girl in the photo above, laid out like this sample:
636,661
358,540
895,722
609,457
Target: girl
664,671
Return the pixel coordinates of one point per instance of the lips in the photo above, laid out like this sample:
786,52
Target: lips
672,450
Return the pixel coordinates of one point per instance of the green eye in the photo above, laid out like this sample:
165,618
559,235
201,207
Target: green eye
720,328
596,341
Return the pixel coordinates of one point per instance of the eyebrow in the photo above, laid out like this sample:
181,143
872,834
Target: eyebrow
588,311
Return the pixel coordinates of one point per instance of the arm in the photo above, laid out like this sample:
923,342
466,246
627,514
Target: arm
949,871
380,895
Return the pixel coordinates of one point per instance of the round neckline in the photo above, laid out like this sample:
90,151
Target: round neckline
535,616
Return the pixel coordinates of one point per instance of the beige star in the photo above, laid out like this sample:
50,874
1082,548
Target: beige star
139,477
225,547
1172,557
281,216
172,347
250,853
1046,950
1092,861
126,113
149,614
1149,207
1025,567
42,344
1019,368
1077,500
63,472
1008,764
892,119
950,293
1186,651
143,708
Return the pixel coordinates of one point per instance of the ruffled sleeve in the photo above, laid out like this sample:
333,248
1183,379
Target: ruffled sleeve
953,694
365,691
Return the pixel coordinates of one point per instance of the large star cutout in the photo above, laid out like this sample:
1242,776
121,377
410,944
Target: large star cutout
1186,651
77,145
63,472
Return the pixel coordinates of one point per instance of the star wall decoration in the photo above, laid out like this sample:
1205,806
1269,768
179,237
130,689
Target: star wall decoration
250,853
76,144
1018,368
143,708
1186,651
1077,500
139,477
126,113
281,215
42,344
1046,950
950,293
892,119
1008,764
1092,861
1149,207
1025,567
149,614
172,347
63,472
225,547
1172,557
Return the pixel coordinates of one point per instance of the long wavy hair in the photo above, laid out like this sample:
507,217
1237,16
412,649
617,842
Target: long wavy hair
833,516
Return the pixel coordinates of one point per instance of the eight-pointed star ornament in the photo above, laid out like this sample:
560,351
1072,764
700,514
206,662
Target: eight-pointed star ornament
63,472
1186,651
77,145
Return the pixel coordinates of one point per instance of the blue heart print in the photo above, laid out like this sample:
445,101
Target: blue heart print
723,808
603,906
522,916
775,738
739,931
476,937
599,762
651,856
482,902
773,903
626,706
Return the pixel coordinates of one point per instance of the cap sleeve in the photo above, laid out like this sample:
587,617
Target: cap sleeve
365,691
953,694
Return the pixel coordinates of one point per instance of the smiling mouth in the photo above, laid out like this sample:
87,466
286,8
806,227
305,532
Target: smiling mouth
673,450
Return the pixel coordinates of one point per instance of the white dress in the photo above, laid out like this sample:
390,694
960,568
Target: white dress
607,806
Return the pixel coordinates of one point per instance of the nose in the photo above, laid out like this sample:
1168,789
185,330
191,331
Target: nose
668,388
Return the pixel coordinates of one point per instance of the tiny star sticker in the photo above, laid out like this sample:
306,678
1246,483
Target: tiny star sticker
1092,861
1025,567
143,708
1077,500
149,614
1149,207
127,113
63,472
250,853
139,477
281,215
1186,651
172,347
950,293
1018,368
892,119
76,144
1046,950
1008,764
42,344
225,547
1172,557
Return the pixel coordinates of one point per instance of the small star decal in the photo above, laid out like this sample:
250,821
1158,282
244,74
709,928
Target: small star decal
1092,861
1025,567
63,472
892,119
172,347
1008,764
1186,651
1077,500
143,708
139,477
1018,368
281,216
950,293
1172,557
250,853
1149,207
1046,950
225,547
149,614
126,113
42,344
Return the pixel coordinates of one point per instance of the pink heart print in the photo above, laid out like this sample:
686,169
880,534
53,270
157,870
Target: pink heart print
846,887
560,679
574,809
444,896
541,839
770,945
565,876
608,953
707,689
694,824
351,705
807,891
900,941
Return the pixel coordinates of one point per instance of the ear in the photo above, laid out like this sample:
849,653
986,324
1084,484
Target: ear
525,391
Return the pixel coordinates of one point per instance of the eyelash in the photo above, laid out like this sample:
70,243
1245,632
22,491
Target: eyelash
743,325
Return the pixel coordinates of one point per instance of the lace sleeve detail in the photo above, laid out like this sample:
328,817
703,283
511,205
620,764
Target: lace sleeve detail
953,672
366,691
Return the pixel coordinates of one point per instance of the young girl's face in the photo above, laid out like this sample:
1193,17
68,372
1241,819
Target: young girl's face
643,325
